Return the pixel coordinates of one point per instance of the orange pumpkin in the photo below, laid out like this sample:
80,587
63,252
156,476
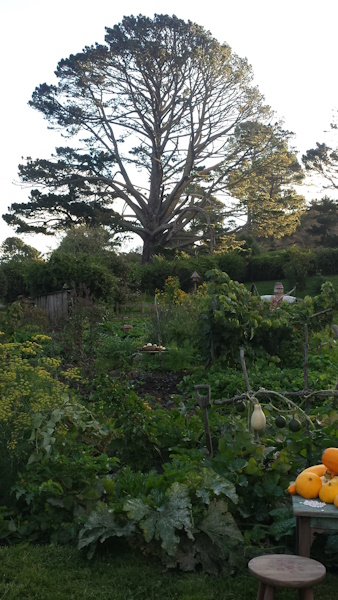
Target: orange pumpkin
329,491
318,469
292,489
308,484
330,459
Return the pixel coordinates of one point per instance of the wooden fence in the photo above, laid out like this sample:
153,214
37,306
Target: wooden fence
55,305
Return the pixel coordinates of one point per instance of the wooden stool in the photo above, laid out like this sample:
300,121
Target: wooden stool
284,570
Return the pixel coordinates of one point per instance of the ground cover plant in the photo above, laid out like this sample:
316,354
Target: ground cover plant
110,461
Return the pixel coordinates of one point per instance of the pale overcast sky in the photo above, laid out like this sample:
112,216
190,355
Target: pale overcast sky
291,45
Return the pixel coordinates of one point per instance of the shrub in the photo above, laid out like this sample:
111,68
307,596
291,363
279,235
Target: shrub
298,265
266,266
234,264
327,261
66,268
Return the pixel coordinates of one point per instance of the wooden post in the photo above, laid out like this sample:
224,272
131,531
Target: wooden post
203,402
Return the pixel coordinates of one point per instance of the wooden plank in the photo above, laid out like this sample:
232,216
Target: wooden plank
300,509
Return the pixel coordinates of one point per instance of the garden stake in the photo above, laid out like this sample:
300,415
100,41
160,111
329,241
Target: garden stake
306,384
158,330
203,402
248,387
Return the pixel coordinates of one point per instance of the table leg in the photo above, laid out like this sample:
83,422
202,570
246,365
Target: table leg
303,536
306,594
269,593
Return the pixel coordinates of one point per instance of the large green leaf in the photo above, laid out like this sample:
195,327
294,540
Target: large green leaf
101,525
218,485
162,523
220,525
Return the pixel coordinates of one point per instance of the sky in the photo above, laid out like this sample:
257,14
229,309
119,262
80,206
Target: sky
290,44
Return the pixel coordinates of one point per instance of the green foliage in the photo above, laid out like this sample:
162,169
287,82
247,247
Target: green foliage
234,319
54,492
100,459
327,261
79,269
16,259
13,248
142,435
324,229
298,265
186,498
269,201
266,266
29,384
78,341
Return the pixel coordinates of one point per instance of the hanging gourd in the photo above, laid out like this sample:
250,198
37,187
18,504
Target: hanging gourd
280,421
295,425
258,420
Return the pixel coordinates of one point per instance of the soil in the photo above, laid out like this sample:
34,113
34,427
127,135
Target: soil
158,387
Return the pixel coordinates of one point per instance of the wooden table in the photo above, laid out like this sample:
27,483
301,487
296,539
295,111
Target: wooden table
310,519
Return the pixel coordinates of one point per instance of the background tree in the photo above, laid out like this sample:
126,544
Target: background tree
323,215
321,162
85,258
152,114
264,182
13,248
16,259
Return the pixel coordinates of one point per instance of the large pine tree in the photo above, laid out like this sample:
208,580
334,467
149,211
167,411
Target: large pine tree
152,115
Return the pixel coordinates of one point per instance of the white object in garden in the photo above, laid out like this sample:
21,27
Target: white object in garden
258,419
288,299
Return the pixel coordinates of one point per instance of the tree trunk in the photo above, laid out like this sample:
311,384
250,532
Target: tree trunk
148,250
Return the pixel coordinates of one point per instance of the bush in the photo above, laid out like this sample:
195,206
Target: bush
153,276
327,262
66,268
234,264
266,266
298,265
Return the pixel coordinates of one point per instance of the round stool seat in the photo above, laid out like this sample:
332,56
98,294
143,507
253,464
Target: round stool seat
283,570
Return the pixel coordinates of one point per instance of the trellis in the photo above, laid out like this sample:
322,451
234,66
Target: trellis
306,393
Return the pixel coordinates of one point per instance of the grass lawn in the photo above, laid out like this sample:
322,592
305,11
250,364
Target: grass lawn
59,573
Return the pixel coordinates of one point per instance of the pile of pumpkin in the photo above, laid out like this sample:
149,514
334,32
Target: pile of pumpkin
319,481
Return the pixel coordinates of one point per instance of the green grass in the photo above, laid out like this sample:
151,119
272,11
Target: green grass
56,573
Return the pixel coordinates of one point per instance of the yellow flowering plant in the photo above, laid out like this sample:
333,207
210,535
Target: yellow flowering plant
28,384
171,294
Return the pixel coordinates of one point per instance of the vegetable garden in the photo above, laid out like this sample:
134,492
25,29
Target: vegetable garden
93,457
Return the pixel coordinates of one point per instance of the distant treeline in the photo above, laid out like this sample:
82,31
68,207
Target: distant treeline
114,278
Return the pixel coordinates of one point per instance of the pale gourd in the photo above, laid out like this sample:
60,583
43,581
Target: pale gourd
258,419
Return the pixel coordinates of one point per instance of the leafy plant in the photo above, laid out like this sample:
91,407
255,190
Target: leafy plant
182,512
